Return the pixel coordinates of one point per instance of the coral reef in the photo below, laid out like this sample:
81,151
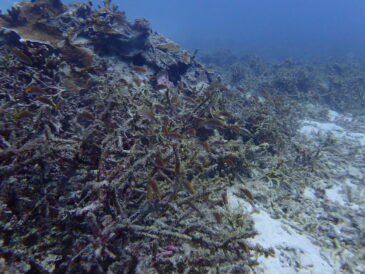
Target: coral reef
338,84
119,150
116,149
314,180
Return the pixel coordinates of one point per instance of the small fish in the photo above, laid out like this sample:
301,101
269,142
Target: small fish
186,59
190,131
168,47
34,89
137,81
174,135
147,114
190,187
59,105
160,86
225,198
149,194
243,246
46,100
242,89
185,90
180,85
171,134
225,114
23,114
188,99
229,162
174,99
217,86
200,168
165,130
87,115
153,77
219,143
139,69
124,82
247,193
159,162
218,217
71,85
22,57
206,147
155,188
236,129
211,123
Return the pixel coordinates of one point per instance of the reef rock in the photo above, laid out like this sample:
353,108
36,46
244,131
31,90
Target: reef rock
77,29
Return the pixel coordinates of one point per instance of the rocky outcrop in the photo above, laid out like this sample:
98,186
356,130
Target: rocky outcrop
78,30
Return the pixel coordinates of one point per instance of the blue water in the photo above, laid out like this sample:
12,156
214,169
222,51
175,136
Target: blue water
278,28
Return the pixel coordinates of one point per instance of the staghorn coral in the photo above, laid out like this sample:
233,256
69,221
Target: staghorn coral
122,163
114,177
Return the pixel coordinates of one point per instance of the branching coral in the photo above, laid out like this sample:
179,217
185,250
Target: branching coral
116,178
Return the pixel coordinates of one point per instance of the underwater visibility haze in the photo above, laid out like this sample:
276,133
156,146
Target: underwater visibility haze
278,29
211,137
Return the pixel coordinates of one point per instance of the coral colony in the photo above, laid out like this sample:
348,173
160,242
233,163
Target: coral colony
116,149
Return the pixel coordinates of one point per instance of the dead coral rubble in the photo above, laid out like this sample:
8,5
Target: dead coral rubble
101,172
275,95
337,84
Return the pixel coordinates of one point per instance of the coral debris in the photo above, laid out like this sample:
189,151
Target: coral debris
102,168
